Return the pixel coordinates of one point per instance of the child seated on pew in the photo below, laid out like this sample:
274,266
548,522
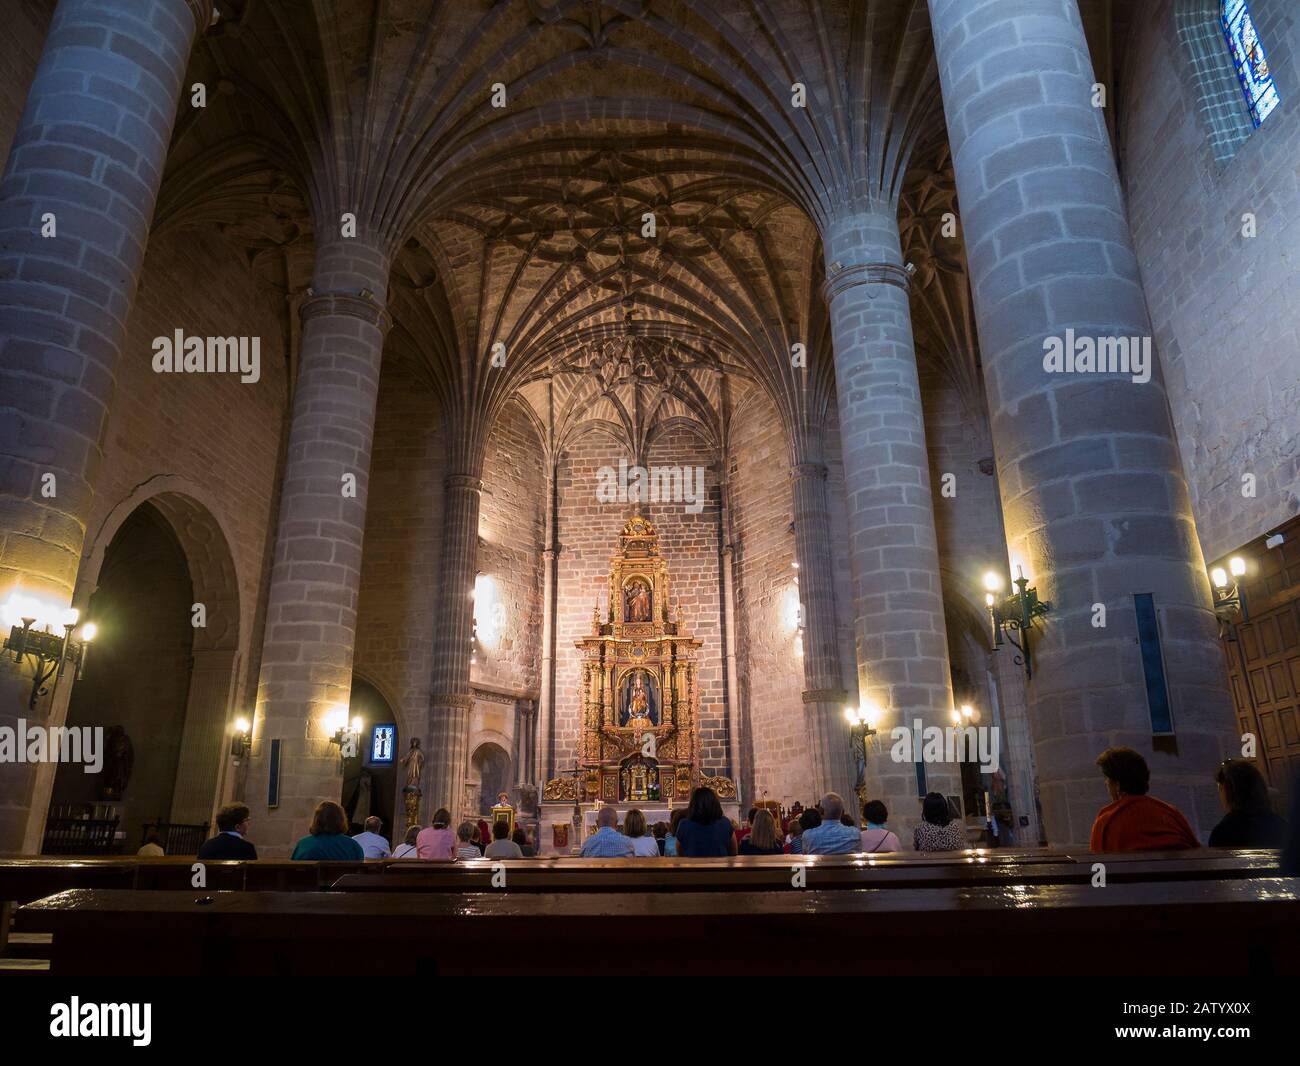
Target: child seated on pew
466,848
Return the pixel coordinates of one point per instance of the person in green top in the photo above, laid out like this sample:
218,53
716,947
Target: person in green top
329,836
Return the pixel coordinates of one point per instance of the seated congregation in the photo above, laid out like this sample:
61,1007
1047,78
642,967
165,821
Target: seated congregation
1133,821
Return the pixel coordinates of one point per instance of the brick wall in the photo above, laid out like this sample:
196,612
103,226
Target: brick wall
968,524
770,668
511,526
26,23
212,430
1226,323
399,559
588,535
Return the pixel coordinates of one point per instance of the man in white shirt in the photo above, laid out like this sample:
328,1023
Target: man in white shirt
374,846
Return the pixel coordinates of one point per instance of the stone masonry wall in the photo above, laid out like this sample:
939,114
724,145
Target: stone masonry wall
770,666
588,535
512,517
1223,307
399,560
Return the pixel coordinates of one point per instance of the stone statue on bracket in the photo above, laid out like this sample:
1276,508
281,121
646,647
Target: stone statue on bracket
413,761
118,763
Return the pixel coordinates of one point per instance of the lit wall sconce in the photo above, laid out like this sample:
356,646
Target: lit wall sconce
243,738
342,733
863,720
1014,613
32,633
1230,596
965,715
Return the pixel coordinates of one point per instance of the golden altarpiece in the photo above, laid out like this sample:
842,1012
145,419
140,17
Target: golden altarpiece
639,688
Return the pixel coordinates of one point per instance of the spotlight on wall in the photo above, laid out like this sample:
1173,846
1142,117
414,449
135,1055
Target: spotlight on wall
1014,613
242,739
346,735
32,624
1230,596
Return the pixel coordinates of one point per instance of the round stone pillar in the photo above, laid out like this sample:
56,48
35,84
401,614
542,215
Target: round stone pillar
900,637
76,202
450,700
824,697
311,614
1094,499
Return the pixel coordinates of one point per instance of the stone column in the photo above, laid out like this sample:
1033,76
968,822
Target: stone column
1093,495
76,202
899,631
744,787
450,699
546,679
1007,683
311,612
205,743
830,751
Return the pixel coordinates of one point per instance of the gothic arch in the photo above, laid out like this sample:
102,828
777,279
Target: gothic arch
192,515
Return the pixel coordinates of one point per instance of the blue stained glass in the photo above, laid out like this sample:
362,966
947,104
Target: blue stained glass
1250,59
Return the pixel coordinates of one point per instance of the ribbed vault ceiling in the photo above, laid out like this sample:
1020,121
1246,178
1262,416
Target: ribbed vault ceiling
523,225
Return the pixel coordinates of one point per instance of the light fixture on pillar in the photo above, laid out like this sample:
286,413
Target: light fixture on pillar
1014,613
965,715
863,720
32,633
242,739
1230,596
346,735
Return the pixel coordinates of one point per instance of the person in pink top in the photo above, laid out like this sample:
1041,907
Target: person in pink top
438,842
875,837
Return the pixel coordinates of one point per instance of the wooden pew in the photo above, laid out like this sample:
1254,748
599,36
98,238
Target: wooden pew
25,878
1186,928
775,872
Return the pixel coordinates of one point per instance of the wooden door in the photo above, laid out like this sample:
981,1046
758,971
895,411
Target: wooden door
1264,661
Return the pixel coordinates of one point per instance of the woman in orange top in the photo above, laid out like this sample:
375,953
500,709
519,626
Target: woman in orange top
1135,821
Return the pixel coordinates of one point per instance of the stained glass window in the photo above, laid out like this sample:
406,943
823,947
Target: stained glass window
1249,57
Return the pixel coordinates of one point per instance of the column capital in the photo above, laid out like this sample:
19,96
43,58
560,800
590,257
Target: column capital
451,699
462,482
837,696
812,470
839,278
320,304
